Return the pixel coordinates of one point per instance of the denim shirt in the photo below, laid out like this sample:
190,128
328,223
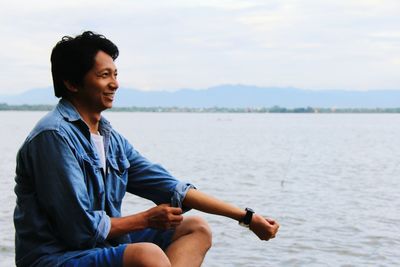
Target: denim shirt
64,197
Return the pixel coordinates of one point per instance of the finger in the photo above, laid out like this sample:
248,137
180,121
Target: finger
271,221
175,210
167,209
176,218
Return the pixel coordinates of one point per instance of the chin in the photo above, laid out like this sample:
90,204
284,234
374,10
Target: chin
108,105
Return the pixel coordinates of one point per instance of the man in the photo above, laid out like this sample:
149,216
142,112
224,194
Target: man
74,169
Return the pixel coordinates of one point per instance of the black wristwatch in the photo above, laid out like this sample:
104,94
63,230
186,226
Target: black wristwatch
246,220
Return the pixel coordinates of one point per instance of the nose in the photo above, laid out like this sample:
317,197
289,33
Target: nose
114,83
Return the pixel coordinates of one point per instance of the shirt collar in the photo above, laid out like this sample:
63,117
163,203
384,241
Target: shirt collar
69,112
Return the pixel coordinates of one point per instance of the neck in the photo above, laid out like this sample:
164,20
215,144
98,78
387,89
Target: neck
90,117
92,121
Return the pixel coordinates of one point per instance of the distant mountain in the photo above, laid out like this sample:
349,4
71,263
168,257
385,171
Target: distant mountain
230,96
31,97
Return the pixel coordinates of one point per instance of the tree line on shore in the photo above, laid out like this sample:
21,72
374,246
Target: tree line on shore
274,109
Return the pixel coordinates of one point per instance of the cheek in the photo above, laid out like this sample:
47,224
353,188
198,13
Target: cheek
94,88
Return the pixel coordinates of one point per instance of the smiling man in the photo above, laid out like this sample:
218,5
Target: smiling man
74,169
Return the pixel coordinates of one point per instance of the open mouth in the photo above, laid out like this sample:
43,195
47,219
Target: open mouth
110,95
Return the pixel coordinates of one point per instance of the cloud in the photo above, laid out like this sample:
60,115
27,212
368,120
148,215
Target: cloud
173,44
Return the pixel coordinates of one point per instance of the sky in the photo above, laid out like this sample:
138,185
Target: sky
169,45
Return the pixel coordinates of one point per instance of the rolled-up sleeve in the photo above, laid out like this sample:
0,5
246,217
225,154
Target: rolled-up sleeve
153,182
62,192
179,195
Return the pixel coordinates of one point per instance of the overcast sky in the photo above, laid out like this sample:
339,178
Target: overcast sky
167,45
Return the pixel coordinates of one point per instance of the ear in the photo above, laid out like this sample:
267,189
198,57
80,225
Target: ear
71,87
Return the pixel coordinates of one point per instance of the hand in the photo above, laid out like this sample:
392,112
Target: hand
264,228
164,217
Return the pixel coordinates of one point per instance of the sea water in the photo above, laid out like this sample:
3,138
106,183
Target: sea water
331,180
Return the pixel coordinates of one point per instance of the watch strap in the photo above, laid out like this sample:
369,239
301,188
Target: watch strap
246,220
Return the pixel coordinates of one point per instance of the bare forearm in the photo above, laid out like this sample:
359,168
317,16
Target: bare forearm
264,228
200,201
162,216
124,225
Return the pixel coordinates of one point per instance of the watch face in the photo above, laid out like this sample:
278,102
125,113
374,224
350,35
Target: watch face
250,210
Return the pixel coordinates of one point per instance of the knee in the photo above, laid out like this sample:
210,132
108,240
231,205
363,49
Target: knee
145,255
200,226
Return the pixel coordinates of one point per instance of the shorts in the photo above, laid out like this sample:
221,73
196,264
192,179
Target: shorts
112,256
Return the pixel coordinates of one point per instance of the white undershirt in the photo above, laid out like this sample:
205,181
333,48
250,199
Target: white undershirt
98,141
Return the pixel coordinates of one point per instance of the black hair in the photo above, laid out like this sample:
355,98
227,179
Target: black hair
72,58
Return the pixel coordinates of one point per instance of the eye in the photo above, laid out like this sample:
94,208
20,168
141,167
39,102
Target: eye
104,74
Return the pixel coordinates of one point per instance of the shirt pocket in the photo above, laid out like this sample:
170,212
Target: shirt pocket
92,171
117,177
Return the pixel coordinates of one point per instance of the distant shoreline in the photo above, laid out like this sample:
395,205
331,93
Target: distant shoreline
274,109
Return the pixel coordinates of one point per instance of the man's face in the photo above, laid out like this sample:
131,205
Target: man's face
99,84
